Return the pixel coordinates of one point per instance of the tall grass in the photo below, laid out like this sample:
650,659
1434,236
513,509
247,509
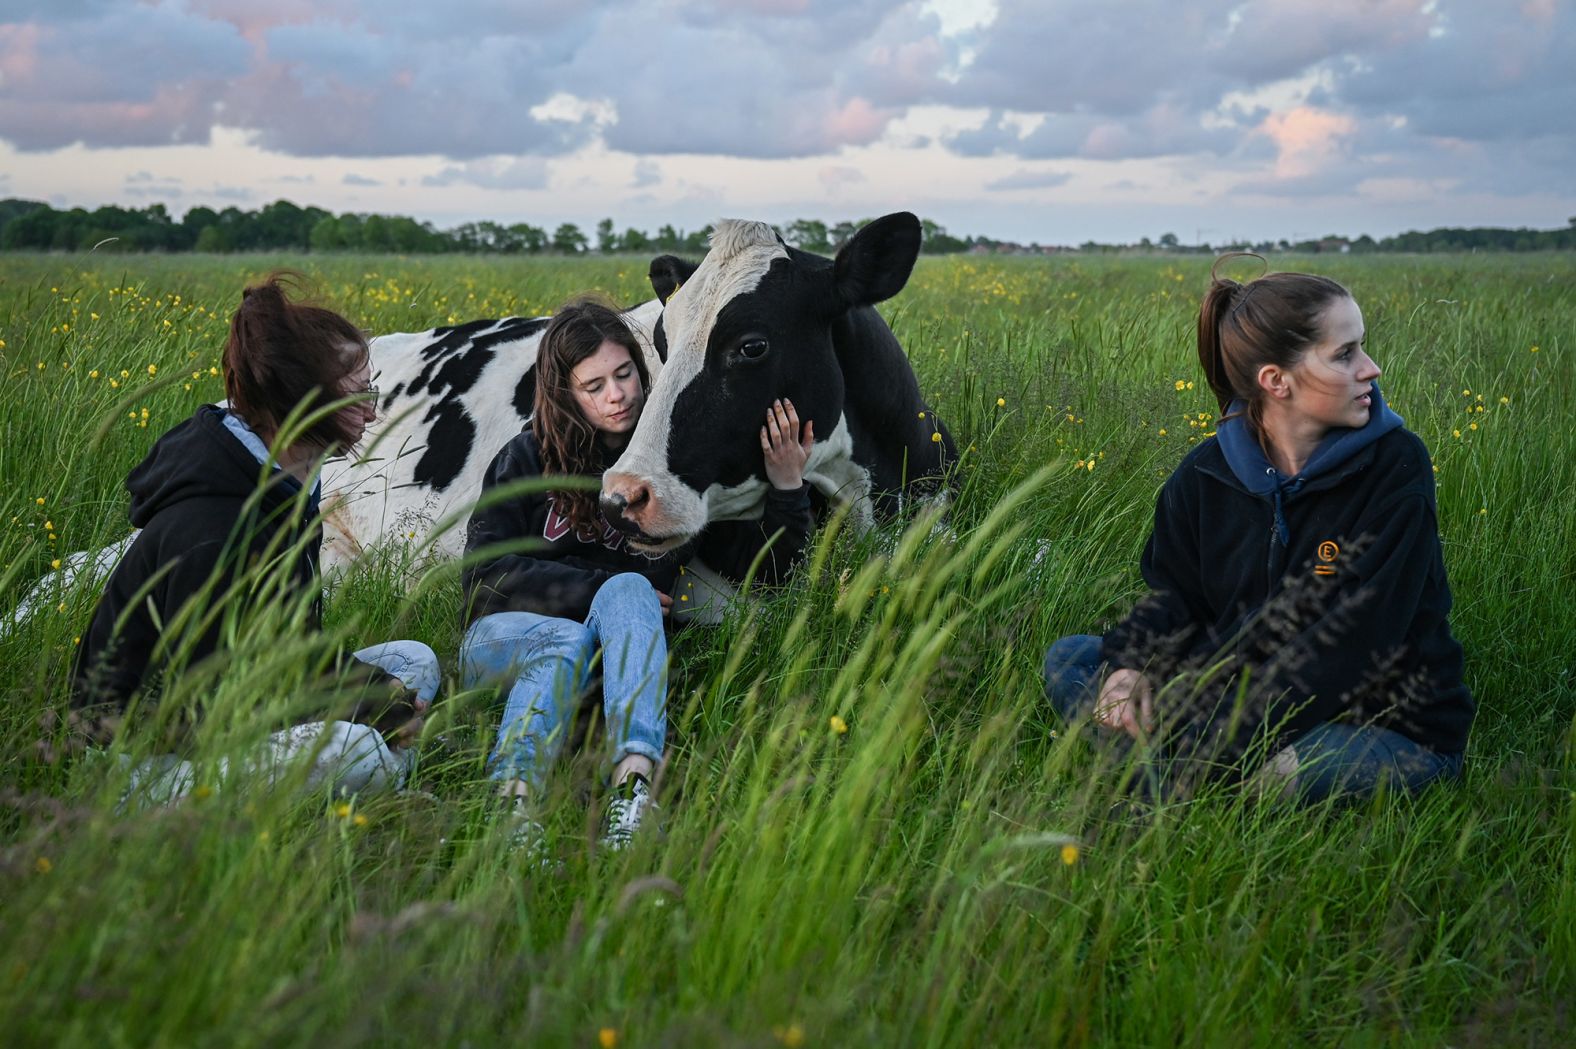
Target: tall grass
955,867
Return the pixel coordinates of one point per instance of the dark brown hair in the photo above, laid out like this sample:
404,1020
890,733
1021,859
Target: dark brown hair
1243,327
568,441
283,352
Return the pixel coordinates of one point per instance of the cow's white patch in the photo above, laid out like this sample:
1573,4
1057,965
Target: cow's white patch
374,497
740,256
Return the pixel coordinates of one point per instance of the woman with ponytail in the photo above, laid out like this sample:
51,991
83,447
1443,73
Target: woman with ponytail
220,498
1298,602
548,582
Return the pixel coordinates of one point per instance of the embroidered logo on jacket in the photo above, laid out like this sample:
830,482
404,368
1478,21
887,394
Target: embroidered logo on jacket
1327,553
557,526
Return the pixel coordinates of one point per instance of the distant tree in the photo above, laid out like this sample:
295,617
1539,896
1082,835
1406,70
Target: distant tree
532,239
697,242
326,235
568,239
808,235
634,240
31,231
606,239
841,233
668,239
213,239
934,240
1168,241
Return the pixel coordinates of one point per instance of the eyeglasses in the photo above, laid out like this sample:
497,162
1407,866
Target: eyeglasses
369,391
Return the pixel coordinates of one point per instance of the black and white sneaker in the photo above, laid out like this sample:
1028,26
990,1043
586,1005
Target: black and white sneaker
527,837
629,807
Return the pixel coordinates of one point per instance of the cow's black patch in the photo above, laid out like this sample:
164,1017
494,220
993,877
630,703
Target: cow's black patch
388,398
449,441
659,339
525,393
457,357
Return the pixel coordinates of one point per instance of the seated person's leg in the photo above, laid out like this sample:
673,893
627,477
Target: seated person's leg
413,662
1355,761
1072,675
543,663
626,618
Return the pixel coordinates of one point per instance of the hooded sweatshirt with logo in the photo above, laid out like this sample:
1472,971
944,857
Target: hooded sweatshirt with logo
1323,596
209,511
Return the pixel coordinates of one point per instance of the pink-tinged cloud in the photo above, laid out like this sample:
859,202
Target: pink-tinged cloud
1306,139
855,123
18,54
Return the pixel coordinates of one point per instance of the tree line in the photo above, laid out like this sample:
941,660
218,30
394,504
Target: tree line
27,225
282,226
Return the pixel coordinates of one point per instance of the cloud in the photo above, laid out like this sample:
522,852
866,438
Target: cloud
837,176
504,173
647,173
353,179
1025,179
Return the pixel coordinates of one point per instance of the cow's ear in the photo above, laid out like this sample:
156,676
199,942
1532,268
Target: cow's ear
667,273
875,263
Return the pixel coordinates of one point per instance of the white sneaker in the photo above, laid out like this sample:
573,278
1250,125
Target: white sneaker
630,805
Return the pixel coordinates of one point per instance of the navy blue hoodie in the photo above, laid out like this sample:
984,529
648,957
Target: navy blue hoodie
1325,592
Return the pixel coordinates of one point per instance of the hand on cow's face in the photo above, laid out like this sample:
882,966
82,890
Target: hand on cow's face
785,445
607,390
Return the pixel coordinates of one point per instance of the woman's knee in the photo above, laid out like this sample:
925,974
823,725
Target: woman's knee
627,588
499,646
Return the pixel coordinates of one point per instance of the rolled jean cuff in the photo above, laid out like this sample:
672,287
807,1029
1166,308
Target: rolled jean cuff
640,747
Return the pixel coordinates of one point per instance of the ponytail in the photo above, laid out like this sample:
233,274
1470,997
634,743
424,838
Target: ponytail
1218,301
283,352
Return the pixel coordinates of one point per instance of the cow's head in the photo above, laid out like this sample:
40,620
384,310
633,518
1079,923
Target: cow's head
753,322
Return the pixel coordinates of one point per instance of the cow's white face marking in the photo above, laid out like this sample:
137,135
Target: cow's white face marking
740,256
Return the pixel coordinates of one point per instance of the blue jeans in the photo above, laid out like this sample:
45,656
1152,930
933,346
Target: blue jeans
415,664
545,664
1351,761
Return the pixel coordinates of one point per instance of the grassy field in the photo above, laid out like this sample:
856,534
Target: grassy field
876,835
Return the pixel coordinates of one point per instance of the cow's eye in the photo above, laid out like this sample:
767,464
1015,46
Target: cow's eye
753,349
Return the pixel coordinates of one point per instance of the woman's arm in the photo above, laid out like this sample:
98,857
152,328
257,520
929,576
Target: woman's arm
731,547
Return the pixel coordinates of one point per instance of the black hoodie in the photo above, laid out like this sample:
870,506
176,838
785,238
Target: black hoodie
563,571
207,514
1328,591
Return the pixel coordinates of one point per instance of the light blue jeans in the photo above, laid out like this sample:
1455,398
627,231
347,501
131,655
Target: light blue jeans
414,663
545,664
1332,759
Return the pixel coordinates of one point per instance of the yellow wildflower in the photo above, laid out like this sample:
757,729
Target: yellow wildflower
1001,402
1533,350
1181,385
342,810
42,865
1069,854
1472,426
153,369
201,791
1162,431
792,1036
935,438
55,564
838,725
607,1037
93,374
39,500
360,820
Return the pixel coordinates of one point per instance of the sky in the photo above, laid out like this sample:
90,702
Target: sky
1028,120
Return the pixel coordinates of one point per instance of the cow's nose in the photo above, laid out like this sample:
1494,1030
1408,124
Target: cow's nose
623,499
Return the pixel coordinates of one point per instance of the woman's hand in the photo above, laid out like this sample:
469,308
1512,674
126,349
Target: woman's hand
787,450
1126,703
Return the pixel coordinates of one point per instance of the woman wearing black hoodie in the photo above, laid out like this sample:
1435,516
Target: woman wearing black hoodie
1298,602
217,510
548,581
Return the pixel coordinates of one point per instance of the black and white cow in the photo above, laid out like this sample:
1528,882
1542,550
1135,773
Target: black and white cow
754,321
449,399
757,320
